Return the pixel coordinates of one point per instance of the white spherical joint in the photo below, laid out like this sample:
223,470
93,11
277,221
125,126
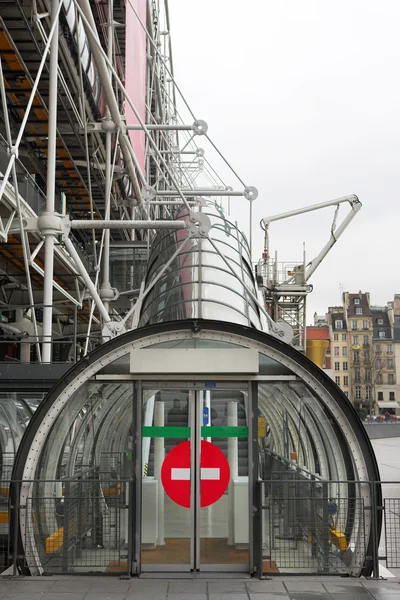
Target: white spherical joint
108,125
199,127
250,193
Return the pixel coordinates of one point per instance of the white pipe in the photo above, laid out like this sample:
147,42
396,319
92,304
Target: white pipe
50,188
106,252
233,464
88,282
87,224
159,453
300,211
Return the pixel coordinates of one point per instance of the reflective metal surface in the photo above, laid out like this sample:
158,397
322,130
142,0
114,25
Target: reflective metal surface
198,284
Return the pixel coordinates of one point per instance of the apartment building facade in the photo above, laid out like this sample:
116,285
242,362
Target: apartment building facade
364,354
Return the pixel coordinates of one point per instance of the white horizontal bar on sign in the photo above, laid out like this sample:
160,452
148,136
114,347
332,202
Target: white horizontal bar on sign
178,474
210,361
206,473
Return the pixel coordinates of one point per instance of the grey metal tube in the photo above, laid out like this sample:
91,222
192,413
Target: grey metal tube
86,224
85,276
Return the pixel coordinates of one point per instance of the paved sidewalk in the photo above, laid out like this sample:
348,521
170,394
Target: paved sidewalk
197,588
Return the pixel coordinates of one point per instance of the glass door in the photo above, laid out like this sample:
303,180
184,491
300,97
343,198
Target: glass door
195,477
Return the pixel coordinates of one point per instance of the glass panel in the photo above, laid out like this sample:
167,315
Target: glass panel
224,524
166,519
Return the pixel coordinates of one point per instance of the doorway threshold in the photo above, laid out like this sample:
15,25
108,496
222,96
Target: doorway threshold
195,575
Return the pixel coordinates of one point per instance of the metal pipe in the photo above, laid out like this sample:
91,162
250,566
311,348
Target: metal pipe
234,470
86,224
98,52
50,187
106,287
171,202
196,192
152,127
300,211
335,235
159,455
103,71
85,276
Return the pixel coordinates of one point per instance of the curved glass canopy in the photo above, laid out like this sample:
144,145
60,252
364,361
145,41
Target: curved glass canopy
84,429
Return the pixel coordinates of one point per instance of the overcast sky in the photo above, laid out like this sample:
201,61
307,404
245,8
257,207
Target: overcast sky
303,98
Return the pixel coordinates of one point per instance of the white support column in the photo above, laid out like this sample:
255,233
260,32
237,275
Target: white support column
159,454
106,293
234,467
50,189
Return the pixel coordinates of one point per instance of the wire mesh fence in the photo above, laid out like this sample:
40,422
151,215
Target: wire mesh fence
307,527
82,526
85,524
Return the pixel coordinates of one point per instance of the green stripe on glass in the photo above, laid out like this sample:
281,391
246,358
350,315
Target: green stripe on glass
166,432
184,432
224,432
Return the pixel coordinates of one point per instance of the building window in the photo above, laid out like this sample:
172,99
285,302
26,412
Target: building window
354,324
337,366
358,392
378,349
356,357
355,340
345,366
378,363
391,396
367,393
344,337
338,324
365,324
359,311
347,394
344,351
337,379
346,380
335,337
380,321
391,378
366,340
356,300
336,351
389,349
366,356
379,379
357,376
390,363
380,395
382,334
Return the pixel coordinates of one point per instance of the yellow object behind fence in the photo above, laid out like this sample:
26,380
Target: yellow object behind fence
55,541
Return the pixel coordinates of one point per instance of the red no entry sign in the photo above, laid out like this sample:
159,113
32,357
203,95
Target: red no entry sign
214,474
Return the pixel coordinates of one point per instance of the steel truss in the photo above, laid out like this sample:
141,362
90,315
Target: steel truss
55,133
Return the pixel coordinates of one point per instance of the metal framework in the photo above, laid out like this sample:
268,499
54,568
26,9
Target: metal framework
286,285
66,134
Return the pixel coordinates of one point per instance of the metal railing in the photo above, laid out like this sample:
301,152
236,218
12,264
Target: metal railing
327,527
75,525
304,525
